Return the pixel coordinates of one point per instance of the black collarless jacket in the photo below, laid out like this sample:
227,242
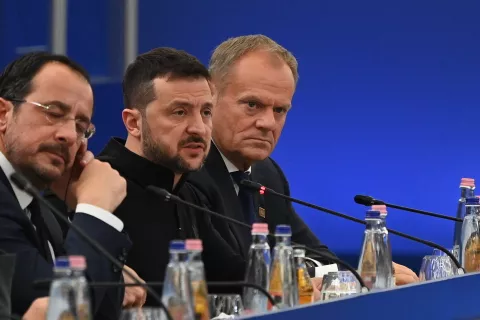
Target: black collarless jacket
152,223
216,185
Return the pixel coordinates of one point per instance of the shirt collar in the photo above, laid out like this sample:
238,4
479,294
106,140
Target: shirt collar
23,198
230,166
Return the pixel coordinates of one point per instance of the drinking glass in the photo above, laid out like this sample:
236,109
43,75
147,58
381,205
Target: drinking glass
437,266
229,304
142,314
338,284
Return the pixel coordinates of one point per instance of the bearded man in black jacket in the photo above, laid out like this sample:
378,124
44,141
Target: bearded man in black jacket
168,109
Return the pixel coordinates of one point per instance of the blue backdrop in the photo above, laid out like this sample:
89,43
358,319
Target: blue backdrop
387,102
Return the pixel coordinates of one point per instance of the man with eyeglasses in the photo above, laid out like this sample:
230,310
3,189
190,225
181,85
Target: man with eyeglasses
46,106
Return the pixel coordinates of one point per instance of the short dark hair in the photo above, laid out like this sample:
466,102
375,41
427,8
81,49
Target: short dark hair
138,89
16,78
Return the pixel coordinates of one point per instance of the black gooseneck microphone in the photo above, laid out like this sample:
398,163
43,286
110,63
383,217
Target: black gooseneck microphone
370,201
167,196
22,183
262,189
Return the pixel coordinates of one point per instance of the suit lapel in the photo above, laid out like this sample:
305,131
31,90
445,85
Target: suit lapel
21,216
219,172
4,180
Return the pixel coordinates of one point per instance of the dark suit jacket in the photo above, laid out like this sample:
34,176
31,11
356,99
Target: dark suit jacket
152,223
18,236
215,183
7,267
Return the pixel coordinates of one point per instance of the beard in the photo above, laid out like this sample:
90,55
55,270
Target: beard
40,175
156,152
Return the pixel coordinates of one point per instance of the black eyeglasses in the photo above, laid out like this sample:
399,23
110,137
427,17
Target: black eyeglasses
56,115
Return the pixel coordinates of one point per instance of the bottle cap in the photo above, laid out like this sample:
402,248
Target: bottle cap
177,245
193,245
260,228
372,214
283,230
467,182
62,262
380,207
77,262
472,201
299,252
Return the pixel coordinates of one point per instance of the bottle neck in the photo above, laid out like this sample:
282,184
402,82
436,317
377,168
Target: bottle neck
299,256
259,238
78,272
195,256
62,273
466,192
178,256
472,209
283,240
299,259
374,223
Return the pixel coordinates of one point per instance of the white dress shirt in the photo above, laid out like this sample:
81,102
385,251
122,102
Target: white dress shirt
24,199
232,168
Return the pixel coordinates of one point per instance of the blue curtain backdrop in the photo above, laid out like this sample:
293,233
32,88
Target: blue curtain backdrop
387,102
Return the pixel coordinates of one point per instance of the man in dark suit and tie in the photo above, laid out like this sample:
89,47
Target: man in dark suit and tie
255,80
46,106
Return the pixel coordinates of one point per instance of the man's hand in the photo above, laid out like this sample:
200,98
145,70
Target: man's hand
404,275
317,286
61,186
37,310
91,181
134,297
99,185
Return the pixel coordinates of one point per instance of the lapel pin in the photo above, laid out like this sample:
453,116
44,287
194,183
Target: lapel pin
261,212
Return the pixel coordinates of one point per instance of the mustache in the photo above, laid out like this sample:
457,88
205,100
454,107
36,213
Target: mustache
193,139
58,149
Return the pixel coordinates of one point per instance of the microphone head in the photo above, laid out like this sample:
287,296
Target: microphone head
366,200
160,191
250,184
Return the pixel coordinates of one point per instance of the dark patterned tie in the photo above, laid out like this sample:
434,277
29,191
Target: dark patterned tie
245,197
33,210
